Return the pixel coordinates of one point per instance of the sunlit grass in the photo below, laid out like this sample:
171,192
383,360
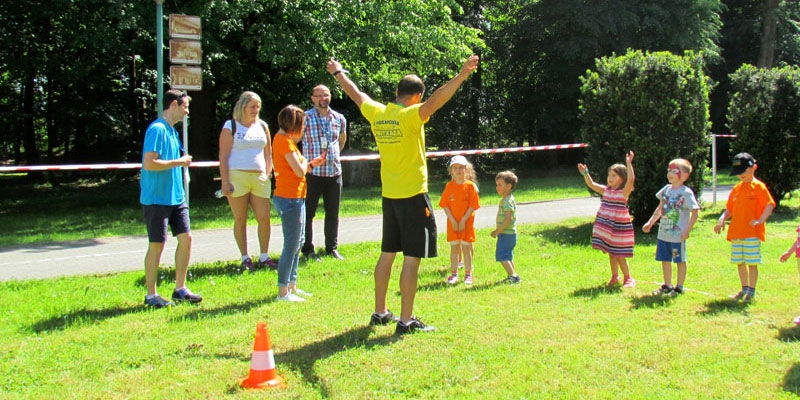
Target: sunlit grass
558,334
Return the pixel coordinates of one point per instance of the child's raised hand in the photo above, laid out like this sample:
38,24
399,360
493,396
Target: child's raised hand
629,157
582,167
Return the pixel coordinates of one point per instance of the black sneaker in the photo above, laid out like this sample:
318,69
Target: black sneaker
511,280
186,295
270,263
377,319
412,326
677,290
157,302
313,256
663,290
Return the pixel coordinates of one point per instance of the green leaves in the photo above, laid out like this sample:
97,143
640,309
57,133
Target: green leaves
764,112
655,104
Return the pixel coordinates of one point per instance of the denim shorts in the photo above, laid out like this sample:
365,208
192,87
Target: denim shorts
671,252
505,247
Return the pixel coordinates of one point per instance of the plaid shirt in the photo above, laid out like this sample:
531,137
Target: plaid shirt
326,129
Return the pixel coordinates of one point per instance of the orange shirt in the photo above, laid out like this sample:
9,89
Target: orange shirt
747,202
459,198
287,184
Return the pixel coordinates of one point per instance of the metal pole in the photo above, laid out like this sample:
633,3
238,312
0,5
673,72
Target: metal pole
714,170
186,146
160,56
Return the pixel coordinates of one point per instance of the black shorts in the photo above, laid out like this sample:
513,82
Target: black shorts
156,217
409,226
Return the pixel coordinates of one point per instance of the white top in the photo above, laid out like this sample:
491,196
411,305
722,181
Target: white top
247,152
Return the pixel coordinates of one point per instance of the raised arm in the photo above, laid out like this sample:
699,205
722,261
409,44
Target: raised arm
335,68
584,170
631,176
442,95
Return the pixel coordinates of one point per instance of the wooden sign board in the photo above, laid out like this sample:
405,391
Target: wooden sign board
186,78
184,26
185,52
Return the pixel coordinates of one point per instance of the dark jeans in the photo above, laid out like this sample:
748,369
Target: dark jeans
330,189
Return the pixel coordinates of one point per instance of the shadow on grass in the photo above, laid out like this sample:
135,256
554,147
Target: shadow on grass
304,358
791,381
651,301
594,292
791,334
229,309
581,235
571,235
715,307
81,318
219,268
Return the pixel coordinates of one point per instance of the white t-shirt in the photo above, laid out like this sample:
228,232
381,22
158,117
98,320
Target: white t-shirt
247,152
678,204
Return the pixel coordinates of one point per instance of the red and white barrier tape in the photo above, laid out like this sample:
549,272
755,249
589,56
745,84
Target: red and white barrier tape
201,164
724,135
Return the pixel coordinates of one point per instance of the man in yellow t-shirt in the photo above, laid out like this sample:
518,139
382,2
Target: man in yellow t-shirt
408,222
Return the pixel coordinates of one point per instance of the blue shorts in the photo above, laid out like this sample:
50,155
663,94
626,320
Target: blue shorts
156,217
505,247
746,251
671,252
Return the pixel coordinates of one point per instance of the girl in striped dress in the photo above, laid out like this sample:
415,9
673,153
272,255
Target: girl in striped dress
613,228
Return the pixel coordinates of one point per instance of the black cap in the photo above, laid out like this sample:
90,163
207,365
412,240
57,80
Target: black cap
741,162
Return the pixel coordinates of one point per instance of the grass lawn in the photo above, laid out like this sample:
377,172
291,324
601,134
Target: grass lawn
559,334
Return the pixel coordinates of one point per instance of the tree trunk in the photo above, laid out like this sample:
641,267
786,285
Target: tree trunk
28,133
31,154
766,56
203,134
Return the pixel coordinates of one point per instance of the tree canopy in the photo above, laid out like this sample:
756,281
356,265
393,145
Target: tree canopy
77,78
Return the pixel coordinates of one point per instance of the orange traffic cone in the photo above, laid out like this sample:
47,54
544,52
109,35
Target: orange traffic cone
262,364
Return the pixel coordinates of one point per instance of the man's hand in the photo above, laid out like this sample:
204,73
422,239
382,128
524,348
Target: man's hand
333,66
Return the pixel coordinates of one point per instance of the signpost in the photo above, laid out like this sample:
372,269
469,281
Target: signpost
185,50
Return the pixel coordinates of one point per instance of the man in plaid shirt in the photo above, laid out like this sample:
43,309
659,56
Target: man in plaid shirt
325,131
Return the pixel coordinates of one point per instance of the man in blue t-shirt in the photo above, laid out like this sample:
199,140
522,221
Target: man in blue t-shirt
164,199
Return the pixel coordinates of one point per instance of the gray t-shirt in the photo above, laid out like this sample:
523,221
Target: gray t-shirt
677,204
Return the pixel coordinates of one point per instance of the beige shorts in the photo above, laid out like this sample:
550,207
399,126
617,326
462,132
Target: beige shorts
245,182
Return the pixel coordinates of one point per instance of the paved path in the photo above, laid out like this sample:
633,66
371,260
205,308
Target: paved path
108,255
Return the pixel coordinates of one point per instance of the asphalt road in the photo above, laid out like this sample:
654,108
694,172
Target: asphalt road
118,254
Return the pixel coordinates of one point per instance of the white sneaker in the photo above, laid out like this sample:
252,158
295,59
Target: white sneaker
302,292
290,297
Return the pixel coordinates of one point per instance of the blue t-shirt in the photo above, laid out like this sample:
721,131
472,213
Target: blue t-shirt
162,187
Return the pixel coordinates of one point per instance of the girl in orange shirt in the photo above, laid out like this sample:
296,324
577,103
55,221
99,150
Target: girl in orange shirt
289,198
459,201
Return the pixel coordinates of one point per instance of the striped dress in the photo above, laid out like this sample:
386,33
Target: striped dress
613,229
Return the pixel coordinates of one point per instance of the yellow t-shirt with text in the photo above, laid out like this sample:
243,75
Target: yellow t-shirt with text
400,135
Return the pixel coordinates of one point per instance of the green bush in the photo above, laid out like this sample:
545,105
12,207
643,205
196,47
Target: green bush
655,104
764,113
